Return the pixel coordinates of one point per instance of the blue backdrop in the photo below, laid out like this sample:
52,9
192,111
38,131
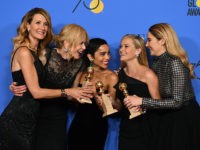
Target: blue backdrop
109,19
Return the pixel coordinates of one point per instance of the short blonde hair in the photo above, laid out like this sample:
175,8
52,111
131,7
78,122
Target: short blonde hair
71,33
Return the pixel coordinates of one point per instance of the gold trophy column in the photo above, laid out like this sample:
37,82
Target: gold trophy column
133,114
107,105
88,77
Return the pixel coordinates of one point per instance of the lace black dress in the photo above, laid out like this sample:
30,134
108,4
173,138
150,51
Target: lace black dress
18,120
51,128
88,130
134,133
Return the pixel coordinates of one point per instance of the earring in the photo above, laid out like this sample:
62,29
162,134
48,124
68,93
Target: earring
28,29
91,62
67,50
136,54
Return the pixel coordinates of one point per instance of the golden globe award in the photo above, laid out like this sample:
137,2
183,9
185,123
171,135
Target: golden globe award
107,105
133,113
88,77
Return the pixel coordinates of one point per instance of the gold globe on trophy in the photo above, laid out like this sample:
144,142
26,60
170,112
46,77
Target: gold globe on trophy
107,105
133,113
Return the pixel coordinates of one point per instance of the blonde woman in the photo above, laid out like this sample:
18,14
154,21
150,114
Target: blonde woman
179,127
135,133
20,118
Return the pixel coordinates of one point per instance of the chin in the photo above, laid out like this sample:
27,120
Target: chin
77,57
152,54
41,37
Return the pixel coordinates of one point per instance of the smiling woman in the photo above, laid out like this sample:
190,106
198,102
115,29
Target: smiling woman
88,129
19,120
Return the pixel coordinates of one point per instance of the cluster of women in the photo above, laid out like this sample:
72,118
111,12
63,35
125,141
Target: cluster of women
48,73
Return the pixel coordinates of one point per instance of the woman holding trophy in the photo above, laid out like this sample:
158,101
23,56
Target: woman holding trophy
135,78
179,125
88,121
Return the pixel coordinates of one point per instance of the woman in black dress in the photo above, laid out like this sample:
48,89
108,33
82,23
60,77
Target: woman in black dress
51,125
63,63
135,133
18,120
179,126
89,129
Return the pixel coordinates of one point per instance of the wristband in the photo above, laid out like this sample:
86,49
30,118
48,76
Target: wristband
63,93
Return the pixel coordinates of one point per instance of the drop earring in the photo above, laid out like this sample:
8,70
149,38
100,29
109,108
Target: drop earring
67,50
91,62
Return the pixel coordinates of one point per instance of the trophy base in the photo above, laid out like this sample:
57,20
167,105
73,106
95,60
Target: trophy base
134,114
107,113
86,101
107,106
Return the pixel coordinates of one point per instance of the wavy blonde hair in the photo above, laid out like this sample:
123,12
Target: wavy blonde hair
73,34
22,38
172,44
138,42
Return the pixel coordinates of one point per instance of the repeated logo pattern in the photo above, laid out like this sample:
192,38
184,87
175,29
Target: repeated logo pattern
95,6
193,8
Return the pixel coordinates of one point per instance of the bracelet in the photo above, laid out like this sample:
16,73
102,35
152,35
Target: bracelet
63,93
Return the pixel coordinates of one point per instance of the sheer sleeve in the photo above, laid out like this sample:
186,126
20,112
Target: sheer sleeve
175,85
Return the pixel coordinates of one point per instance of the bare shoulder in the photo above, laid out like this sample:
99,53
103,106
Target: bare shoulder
112,76
150,75
23,52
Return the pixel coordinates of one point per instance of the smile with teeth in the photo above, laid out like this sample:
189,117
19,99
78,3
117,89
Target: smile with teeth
105,62
41,33
122,54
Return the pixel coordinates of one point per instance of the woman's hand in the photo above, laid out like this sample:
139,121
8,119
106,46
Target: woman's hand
132,101
79,93
99,101
17,90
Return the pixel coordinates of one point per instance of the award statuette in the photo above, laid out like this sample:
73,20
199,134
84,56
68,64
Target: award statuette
107,105
133,114
88,77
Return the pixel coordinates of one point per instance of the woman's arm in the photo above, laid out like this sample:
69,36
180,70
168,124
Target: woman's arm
178,75
153,87
112,80
26,63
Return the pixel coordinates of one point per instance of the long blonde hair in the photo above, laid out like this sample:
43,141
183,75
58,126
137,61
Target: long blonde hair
22,32
73,34
138,42
172,44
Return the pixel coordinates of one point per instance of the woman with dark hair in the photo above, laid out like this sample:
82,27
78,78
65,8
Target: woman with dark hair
88,129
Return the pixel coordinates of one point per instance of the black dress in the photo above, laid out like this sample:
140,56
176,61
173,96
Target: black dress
51,128
179,124
134,133
18,120
88,130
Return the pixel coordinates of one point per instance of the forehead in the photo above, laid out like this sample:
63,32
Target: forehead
149,35
39,17
103,48
126,40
